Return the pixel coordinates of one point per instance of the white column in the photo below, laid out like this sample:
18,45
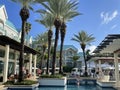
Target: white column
15,63
116,68
30,64
95,66
100,69
35,58
65,58
6,59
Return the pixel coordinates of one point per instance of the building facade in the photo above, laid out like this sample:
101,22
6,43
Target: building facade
68,52
10,46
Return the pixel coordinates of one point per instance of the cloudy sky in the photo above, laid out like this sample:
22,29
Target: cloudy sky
100,18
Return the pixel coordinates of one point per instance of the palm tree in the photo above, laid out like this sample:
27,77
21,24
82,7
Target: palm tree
47,21
41,41
24,13
84,39
69,13
75,58
88,56
57,8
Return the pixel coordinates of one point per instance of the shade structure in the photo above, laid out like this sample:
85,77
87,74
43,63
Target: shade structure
4,40
110,44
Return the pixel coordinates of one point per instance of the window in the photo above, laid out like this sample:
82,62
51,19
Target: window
69,53
12,55
2,53
1,67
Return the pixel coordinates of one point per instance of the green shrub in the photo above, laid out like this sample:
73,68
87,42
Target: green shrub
67,69
51,76
25,82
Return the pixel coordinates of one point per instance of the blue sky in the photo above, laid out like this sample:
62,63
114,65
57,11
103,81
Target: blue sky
100,18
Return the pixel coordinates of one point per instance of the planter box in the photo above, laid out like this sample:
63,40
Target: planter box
22,87
106,84
53,81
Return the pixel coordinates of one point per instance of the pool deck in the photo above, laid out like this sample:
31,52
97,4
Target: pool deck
117,87
2,87
105,83
102,83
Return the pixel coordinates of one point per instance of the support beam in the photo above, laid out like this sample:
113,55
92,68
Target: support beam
30,64
6,59
116,68
15,63
35,58
95,66
100,69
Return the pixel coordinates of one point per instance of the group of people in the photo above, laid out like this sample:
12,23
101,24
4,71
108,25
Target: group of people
100,74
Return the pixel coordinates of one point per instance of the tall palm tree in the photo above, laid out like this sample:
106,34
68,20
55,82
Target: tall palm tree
47,21
24,13
75,58
41,41
84,39
88,56
55,7
70,11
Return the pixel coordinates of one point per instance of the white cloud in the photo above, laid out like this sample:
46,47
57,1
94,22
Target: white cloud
79,50
114,26
106,17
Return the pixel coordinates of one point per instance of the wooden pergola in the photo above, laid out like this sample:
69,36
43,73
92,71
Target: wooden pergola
8,44
4,40
111,44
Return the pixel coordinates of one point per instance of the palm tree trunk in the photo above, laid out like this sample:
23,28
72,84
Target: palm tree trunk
63,32
49,48
21,59
85,61
61,49
49,45
24,13
42,57
83,48
57,24
54,52
86,74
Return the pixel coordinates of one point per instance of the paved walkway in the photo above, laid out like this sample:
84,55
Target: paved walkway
2,86
32,78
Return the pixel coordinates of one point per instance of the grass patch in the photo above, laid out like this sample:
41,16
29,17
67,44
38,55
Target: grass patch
51,76
25,82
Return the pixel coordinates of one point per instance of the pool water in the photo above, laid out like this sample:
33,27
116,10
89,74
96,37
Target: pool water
75,87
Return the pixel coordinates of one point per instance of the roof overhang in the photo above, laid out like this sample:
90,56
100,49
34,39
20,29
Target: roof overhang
110,44
4,40
104,59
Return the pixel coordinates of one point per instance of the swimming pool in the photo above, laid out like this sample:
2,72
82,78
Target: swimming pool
75,87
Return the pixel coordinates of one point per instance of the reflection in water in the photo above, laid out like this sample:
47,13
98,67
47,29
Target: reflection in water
75,87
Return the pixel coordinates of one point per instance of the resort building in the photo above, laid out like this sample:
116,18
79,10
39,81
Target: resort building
68,52
10,48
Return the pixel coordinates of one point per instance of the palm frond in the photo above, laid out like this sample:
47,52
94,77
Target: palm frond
47,20
40,1
83,38
41,11
25,3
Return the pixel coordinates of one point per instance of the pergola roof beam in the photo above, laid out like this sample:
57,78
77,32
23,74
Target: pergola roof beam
110,44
